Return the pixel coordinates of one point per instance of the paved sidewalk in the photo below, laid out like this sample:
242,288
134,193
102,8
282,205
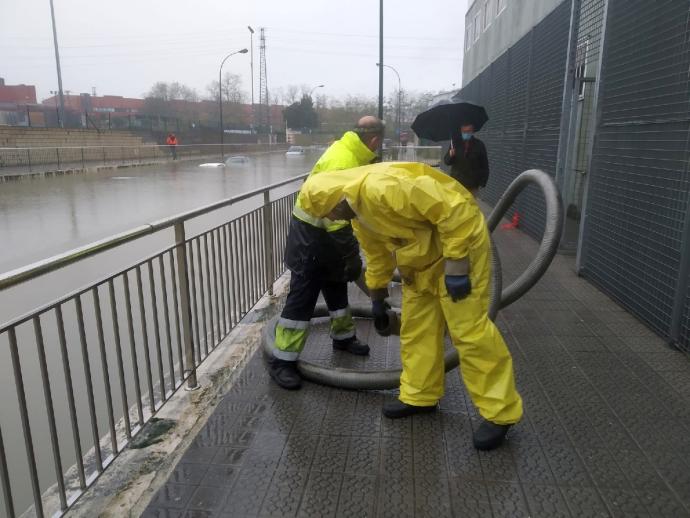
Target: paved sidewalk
606,429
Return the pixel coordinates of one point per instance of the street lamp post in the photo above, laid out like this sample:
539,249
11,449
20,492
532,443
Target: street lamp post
381,59
398,115
61,114
251,69
311,92
220,97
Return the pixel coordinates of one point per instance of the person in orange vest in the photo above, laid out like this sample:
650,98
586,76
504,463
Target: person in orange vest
172,142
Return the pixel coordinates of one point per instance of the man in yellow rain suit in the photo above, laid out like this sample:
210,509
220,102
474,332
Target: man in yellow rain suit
322,258
414,218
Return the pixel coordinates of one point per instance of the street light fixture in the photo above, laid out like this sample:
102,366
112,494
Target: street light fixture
251,70
312,90
399,110
220,97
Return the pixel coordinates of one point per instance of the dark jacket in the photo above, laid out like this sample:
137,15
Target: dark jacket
471,167
312,251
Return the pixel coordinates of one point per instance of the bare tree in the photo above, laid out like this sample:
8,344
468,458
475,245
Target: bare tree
291,94
232,89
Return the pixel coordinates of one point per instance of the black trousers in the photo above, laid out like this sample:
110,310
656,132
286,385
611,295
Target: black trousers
304,292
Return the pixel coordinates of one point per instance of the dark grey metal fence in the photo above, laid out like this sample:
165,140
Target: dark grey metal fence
636,235
523,91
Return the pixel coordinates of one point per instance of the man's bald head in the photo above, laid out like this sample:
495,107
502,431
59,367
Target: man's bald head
370,130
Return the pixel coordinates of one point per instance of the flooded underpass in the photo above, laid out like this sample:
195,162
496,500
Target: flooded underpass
43,217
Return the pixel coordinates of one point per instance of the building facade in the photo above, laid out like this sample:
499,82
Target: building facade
597,94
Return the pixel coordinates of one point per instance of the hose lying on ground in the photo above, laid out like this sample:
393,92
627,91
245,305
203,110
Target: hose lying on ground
500,298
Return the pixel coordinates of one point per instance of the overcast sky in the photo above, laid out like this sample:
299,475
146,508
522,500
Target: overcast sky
122,47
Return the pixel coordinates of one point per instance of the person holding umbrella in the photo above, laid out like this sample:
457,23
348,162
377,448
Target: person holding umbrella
466,155
467,158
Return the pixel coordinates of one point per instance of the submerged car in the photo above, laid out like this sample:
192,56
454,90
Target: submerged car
238,159
295,151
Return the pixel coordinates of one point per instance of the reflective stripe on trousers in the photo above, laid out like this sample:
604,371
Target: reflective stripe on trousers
291,335
342,325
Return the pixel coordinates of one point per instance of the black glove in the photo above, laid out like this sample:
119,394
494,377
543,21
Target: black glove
353,268
458,286
382,324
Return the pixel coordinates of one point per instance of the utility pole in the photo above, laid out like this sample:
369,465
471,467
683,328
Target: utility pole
265,113
398,115
251,68
57,63
381,59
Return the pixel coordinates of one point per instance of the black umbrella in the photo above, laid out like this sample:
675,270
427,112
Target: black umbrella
443,121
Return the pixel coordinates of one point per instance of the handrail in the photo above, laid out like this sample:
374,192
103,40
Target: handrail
33,270
99,146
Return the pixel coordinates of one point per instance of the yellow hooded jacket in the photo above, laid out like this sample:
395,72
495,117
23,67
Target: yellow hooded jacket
409,216
346,153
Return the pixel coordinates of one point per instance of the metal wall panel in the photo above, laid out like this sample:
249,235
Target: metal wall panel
684,341
522,91
635,226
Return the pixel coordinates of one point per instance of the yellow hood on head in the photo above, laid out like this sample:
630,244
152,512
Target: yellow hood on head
322,192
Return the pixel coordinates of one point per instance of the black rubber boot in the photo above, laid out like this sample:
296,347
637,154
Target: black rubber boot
490,435
351,345
284,373
397,409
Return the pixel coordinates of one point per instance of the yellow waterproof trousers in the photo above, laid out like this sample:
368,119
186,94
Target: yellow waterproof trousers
485,361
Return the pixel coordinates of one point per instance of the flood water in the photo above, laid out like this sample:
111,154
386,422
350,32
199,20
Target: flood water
43,217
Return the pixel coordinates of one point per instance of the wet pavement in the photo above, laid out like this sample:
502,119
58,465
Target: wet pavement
606,430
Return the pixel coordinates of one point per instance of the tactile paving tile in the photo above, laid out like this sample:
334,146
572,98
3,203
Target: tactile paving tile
601,436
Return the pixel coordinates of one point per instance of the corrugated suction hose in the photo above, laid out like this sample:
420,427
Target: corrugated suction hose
500,298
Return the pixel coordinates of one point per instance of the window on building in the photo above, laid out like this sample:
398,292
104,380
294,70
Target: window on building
581,57
501,5
477,26
468,38
488,13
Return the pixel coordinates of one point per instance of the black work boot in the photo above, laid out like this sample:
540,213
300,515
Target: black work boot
284,373
490,435
351,345
397,409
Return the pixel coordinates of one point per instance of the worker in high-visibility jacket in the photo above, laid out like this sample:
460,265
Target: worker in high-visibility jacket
322,258
427,225
172,142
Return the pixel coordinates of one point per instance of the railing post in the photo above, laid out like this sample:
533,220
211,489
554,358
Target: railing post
5,481
57,154
185,305
268,242
83,165
28,158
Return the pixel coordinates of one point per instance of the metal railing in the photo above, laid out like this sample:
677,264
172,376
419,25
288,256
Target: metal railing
431,155
27,160
111,353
